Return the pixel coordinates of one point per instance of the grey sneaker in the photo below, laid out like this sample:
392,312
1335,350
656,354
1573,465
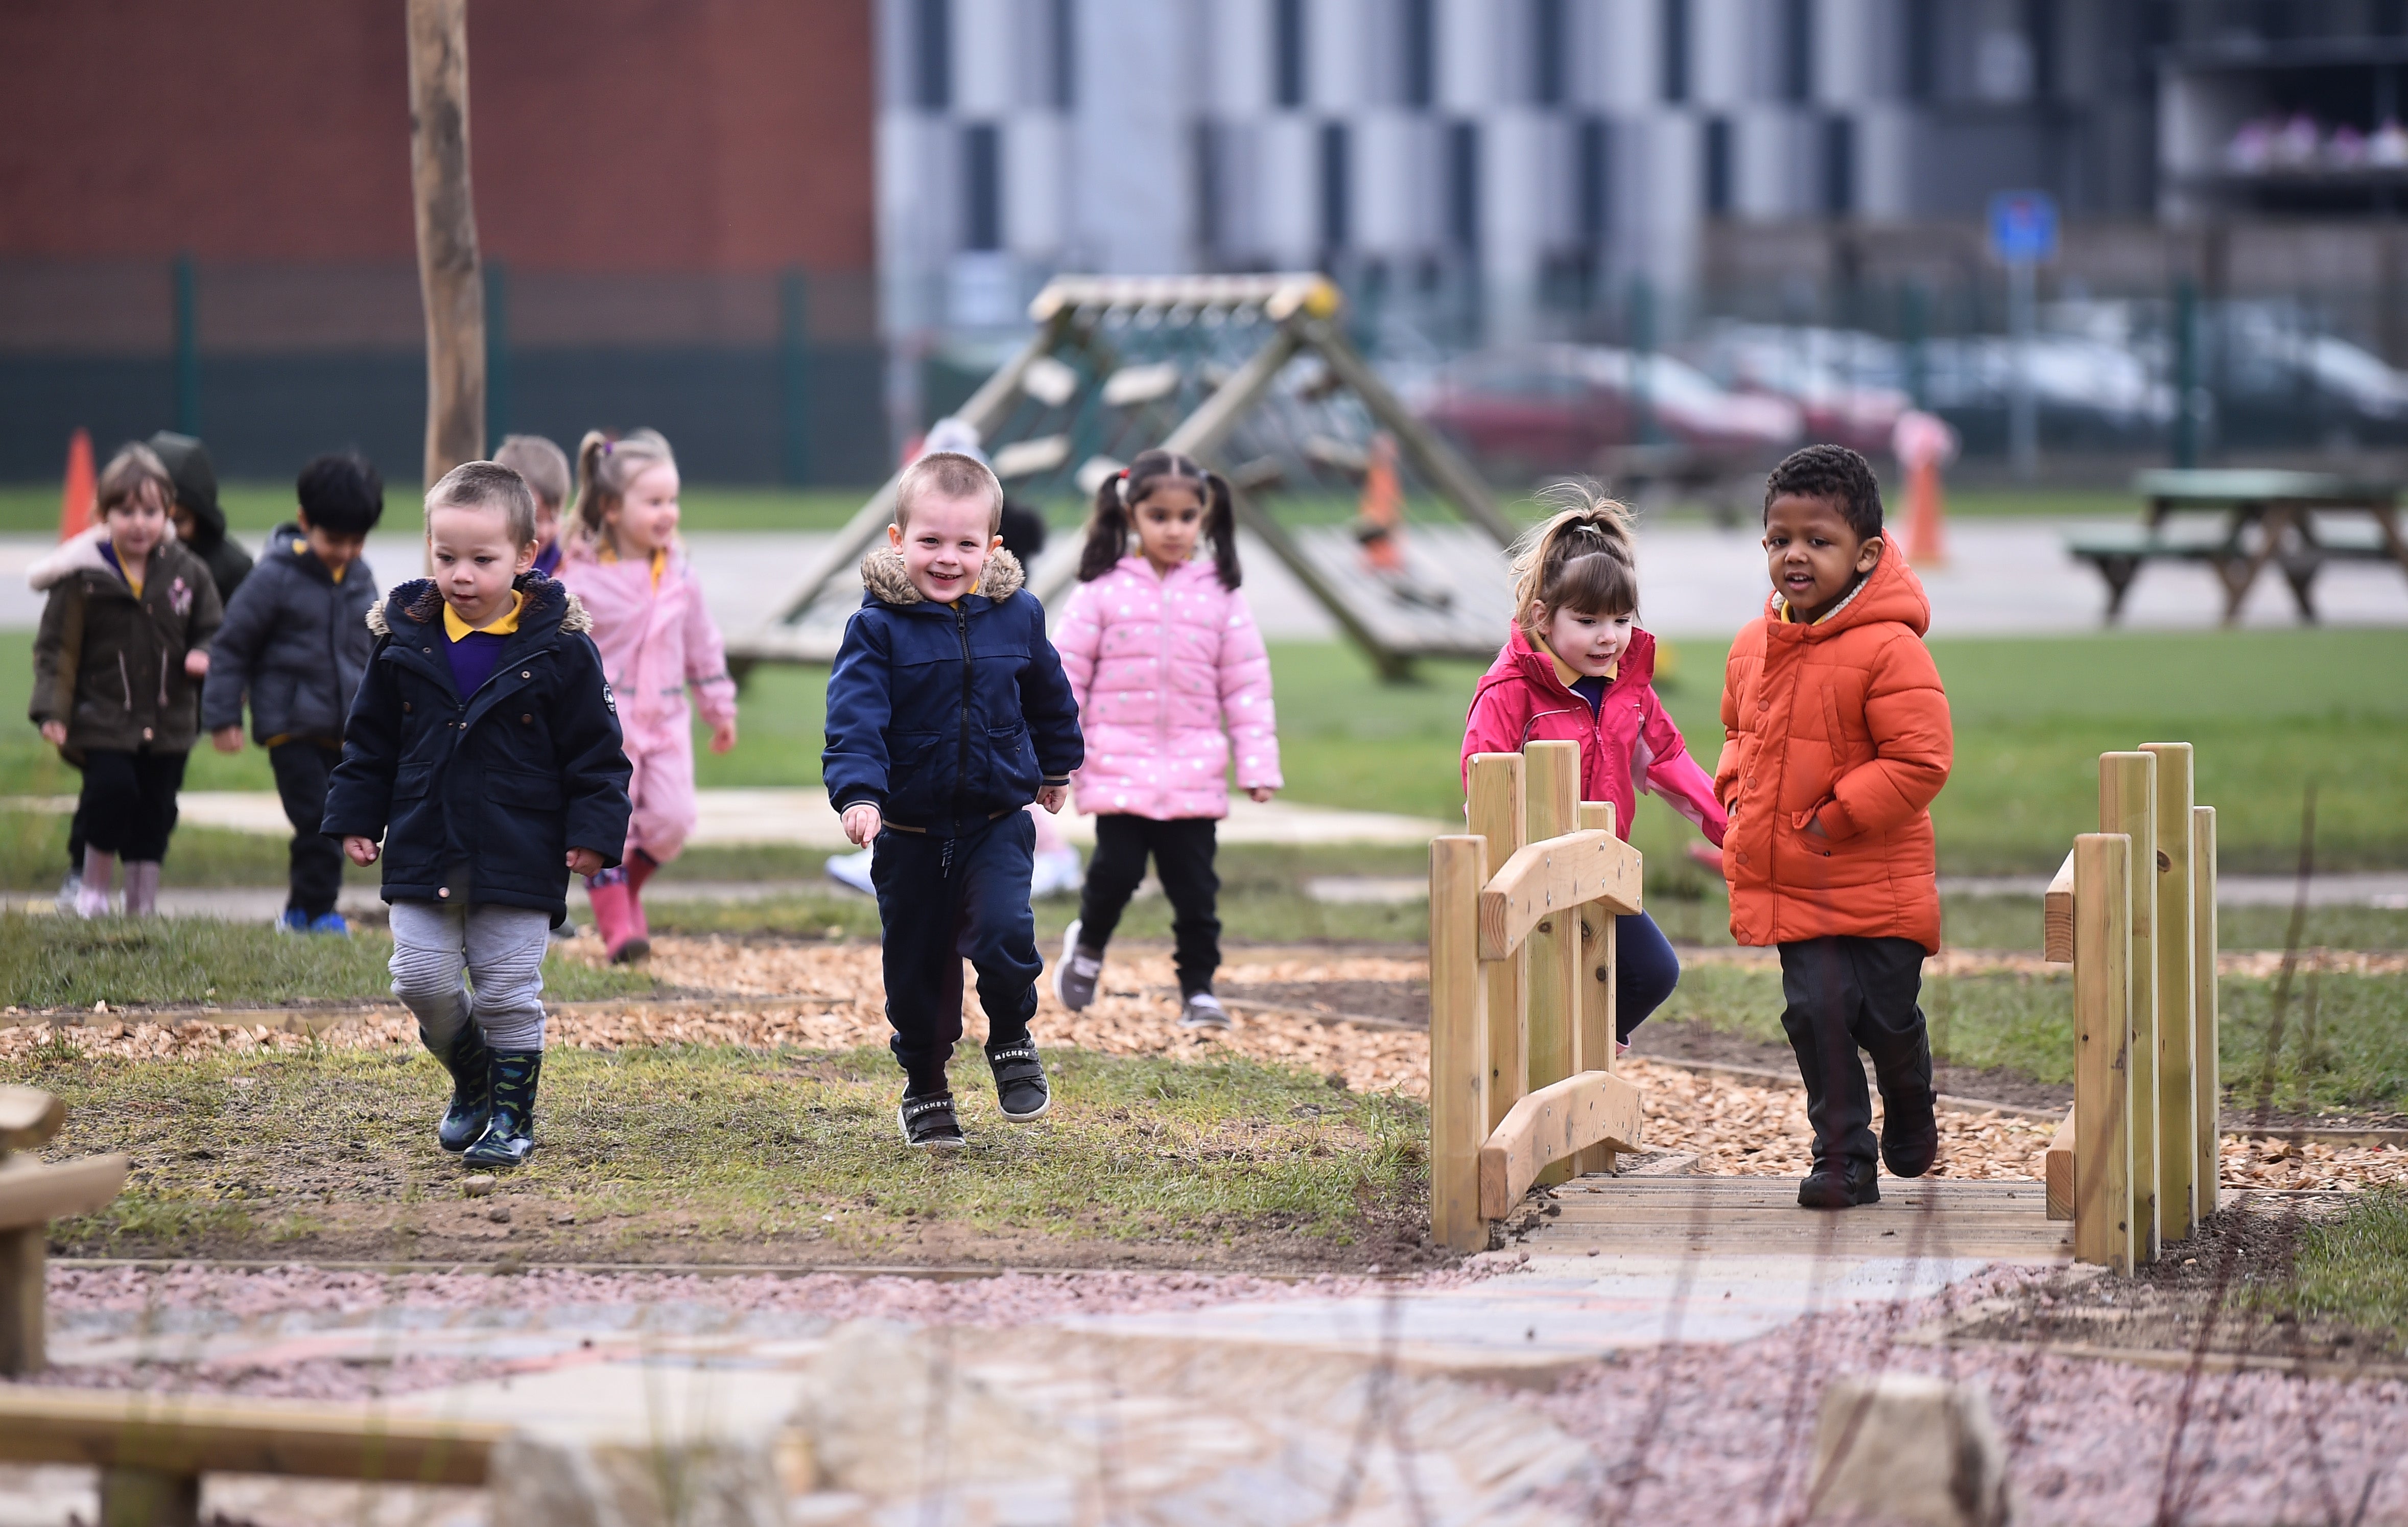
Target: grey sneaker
1203,1011
1076,973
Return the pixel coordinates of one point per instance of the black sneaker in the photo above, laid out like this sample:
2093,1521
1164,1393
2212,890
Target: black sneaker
930,1121
1910,1135
1833,1185
1020,1087
1076,973
1203,1011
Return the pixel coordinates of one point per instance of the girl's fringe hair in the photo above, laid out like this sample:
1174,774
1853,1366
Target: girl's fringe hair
1110,526
606,463
136,470
1583,559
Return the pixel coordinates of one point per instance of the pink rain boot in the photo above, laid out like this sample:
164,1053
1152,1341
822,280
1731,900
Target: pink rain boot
615,920
640,867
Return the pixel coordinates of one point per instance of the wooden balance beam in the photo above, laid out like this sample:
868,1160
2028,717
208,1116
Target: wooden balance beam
31,1194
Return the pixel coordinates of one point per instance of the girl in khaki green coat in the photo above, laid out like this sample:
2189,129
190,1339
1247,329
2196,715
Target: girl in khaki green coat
117,673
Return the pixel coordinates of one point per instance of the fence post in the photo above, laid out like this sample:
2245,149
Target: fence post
2104,1207
1458,1042
188,346
2127,803
2207,1072
2177,1020
1551,982
1597,1014
1498,815
794,377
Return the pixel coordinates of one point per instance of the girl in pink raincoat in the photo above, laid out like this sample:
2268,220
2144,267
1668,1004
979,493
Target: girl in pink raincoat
1172,681
622,560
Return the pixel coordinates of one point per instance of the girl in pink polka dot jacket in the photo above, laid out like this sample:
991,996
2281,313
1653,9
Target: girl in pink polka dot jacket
1172,681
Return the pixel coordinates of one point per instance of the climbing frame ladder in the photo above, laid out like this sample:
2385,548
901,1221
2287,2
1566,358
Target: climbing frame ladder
1522,1082
2134,912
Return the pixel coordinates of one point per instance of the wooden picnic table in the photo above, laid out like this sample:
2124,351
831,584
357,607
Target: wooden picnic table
2268,517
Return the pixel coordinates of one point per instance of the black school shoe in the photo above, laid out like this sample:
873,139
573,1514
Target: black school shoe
1833,1184
1020,1087
930,1121
1910,1135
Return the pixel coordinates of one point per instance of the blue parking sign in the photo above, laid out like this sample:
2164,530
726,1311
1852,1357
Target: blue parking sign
2023,227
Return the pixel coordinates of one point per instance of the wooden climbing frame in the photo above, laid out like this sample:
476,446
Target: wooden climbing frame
1522,1082
2134,912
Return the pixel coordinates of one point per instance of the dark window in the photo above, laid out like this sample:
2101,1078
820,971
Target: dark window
1718,166
1420,52
1797,50
932,63
1463,184
1337,189
1594,164
2388,18
1550,37
1287,51
982,185
1207,188
2040,32
1066,55
1674,25
1922,49
1839,167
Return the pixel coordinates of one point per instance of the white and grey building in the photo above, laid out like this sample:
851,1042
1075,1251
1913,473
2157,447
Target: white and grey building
1538,153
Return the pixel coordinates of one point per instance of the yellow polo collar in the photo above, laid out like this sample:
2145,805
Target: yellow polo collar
454,627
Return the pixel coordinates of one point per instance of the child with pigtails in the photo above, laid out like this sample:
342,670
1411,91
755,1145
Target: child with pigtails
1577,667
1172,682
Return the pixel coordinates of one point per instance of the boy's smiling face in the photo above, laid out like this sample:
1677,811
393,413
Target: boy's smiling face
1813,557
946,547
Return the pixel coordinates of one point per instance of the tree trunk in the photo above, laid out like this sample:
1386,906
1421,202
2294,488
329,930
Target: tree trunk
449,280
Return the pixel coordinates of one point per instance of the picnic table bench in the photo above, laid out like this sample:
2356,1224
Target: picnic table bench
2294,522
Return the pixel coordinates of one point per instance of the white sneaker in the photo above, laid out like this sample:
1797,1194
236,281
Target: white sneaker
1076,973
852,870
69,888
1056,873
1203,1011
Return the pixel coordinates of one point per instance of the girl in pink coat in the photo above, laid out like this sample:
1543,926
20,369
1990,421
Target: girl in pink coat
1576,668
1172,681
622,560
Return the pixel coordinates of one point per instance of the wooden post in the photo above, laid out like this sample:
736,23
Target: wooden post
2207,1072
138,1497
23,1336
1551,979
1458,1042
1597,977
2104,1221
2177,1020
2127,803
449,282
1497,814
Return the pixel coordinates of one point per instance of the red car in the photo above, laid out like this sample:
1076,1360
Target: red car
1556,407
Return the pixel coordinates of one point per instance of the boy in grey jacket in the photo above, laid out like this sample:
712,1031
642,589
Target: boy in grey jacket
297,639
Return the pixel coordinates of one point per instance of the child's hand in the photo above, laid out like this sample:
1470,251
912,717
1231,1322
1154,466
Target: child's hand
1052,796
361,851
861,824
197,664
227,739
722,736
584,861
55,733
1260,793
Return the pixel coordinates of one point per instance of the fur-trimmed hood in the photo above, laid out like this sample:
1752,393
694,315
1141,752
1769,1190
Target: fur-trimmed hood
882,575
79,552
421,603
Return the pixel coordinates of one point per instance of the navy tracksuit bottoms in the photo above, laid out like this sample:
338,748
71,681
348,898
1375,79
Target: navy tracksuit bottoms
942,900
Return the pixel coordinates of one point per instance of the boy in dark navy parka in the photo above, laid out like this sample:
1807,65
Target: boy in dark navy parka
947,713
484,748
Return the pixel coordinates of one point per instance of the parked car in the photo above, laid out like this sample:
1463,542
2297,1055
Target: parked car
1530,410
1818,369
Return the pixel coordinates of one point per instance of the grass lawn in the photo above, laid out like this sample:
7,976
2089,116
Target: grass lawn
2350,1269
2345,1045
56,962
715,1154
34,507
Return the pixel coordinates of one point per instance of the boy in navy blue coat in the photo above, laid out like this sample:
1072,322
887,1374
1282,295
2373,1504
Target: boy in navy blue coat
484,748
947,712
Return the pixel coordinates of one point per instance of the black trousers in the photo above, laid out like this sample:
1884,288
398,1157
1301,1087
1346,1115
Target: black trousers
942,900
1182,853
302,770
1844,994
128,804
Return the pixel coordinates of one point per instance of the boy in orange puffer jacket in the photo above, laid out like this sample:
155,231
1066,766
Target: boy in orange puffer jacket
1837,739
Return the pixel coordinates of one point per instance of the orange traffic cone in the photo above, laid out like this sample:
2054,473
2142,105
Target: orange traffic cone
1380,514
75,503
1922,443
